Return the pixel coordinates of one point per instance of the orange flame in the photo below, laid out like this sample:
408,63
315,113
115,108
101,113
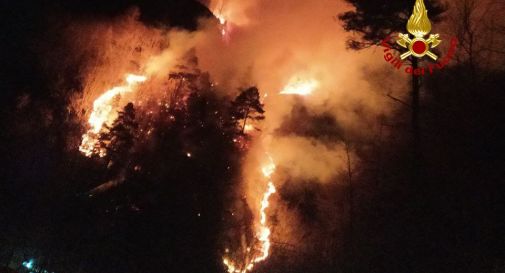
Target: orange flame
297,86
222,22
263,232
249,128
104,112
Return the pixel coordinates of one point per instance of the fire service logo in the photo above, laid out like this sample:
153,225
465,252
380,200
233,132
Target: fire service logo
419,26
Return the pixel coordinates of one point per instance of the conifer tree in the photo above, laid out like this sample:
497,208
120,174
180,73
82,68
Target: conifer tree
246,106
120,138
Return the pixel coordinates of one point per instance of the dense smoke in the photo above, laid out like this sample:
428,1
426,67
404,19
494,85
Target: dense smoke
242,135
269,44
306,136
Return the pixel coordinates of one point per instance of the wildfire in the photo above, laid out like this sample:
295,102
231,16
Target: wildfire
104,112
224,25
222,22
263,231
249,128
297,86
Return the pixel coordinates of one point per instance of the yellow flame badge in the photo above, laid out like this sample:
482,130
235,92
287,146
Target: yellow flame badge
419,25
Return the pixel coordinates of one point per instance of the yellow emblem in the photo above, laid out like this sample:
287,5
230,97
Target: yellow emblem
419,25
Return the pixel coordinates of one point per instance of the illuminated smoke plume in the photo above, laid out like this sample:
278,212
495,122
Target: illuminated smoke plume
297,86
293,52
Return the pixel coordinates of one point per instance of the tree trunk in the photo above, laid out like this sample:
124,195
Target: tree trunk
245,121
351,208
415,108
416,130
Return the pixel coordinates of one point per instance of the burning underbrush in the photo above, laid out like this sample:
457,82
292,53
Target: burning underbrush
127,124
156,134
179,134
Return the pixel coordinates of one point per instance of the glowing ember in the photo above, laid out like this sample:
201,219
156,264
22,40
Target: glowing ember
104,112
222,22
224,27
248,128
300,87
263,244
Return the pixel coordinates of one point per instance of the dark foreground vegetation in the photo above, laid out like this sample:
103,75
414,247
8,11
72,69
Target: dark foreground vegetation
425,200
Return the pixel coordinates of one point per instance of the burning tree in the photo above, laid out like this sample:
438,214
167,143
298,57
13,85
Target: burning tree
159,147
250,251
246,106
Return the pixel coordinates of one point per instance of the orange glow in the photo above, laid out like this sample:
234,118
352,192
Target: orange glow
105,112
224,27
263,232
302,87
248,128
220,17
222,20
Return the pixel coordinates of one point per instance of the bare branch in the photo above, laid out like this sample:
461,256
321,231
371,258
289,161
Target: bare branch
398,100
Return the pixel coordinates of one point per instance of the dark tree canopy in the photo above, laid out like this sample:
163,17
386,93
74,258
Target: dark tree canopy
246,106
374,20
120,138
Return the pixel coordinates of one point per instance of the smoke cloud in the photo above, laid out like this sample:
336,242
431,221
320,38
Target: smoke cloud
296,39
269,44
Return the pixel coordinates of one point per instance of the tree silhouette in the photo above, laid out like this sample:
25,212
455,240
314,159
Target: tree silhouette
120,138
246,106
374,21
